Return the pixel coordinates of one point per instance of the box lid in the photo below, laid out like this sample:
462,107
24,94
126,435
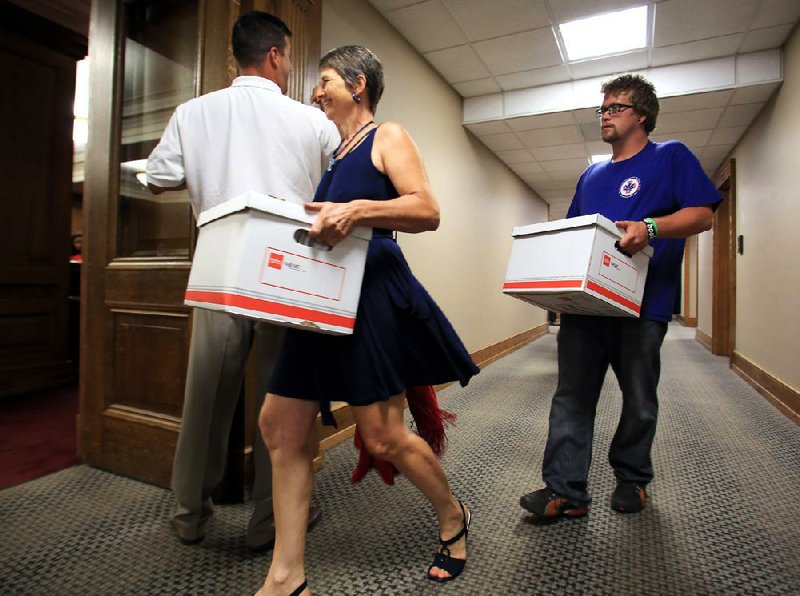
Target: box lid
582,221
269,204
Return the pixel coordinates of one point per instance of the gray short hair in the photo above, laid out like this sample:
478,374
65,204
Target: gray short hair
352,61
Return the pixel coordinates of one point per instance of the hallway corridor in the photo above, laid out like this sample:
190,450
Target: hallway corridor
722,516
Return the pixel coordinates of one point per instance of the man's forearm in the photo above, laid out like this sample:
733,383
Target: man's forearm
684,223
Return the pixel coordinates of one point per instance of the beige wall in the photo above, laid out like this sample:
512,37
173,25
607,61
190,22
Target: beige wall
463,263
767,214
705,248
689,279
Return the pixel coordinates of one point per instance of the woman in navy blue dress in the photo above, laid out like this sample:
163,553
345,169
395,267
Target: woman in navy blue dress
401,338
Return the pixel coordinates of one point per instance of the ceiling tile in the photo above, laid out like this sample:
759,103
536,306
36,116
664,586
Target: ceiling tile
539,179
569,10
494,127
479,19
754,93
715,153
597,148
478,87
457,64
546,137
776,12
516,156
679,21
697,50
542,154
694,139
586,116
428,26
520,51
590,131
526,169
534,78
574,165
765,39
741,115
727,136
568,179
502,142
540,121
695,101
688,121
609,66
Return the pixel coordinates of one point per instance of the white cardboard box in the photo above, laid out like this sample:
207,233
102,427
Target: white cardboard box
253,259
572,266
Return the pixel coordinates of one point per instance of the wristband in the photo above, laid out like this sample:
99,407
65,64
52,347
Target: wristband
652,228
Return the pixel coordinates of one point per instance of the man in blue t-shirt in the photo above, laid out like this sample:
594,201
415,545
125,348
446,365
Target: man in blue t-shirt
657,194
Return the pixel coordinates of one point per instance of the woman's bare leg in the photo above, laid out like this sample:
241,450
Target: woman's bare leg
386,436
286,425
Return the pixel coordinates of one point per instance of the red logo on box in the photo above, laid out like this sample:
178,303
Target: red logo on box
606,260
275,260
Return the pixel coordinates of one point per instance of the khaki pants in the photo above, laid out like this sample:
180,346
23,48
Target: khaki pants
220,346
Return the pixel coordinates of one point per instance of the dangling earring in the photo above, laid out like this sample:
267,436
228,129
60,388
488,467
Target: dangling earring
356,98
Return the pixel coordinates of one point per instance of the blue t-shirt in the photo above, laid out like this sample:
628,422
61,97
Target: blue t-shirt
659,180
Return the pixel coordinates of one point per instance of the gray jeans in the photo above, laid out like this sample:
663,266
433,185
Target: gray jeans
587,345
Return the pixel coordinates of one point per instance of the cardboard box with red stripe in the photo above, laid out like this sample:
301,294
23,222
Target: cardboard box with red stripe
573,266
254,258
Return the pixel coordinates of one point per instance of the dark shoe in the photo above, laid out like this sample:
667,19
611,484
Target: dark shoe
443,560
628,497
187,540
548,504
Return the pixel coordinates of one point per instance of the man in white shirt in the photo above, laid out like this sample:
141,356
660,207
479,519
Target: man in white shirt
248,137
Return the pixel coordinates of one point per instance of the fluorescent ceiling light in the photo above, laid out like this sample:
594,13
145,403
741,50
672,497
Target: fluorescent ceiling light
599,158
601,35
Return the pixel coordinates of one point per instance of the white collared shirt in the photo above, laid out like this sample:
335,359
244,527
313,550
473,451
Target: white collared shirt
247,137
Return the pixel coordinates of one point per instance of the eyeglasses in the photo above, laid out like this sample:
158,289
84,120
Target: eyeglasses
613,109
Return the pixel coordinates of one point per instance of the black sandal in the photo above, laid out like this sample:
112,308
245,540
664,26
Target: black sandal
299,590
443,560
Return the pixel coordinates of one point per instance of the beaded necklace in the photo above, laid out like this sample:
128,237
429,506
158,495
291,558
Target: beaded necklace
343,146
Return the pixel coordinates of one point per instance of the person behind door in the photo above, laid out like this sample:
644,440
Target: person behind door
401,339
658,194
247,137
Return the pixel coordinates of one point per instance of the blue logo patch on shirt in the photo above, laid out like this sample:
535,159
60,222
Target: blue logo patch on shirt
629,187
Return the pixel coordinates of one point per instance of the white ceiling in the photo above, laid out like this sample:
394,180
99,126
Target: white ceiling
714,64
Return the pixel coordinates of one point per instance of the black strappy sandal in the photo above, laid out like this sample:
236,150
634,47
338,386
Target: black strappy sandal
443,560
299,589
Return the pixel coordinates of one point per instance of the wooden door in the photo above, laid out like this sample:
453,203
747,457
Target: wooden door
144,59
147,57
723,334
37,84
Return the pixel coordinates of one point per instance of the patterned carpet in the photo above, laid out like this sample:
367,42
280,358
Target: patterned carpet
722,518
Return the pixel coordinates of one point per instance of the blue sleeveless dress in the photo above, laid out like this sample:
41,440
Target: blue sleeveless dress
401,337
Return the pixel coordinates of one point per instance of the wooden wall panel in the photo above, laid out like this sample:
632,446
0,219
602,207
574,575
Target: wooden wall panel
150,361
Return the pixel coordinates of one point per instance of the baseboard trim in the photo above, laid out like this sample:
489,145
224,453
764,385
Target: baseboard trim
703,339
781,395
330,437
688,321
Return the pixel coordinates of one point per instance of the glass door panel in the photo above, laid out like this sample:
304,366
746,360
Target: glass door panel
160,49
